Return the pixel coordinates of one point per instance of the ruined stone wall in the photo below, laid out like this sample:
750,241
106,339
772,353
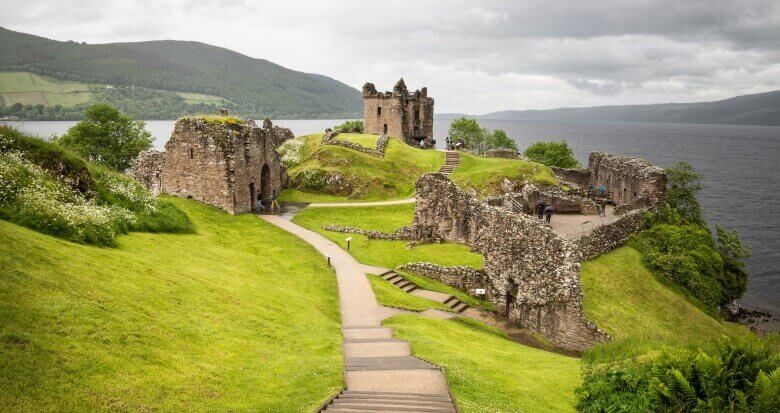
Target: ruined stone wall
502,153
147,169
407,115
630,181
404,233
463,278
563,202
218,163
329,138
523,259
608,237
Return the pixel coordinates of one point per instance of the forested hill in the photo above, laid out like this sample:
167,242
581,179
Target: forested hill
255,87
756,109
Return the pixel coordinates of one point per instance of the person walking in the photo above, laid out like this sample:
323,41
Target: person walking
602,209
548,211
540,209
260,207
274,203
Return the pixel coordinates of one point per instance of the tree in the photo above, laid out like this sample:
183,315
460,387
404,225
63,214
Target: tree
733,251
499,139
107,136
469,134
683,186
552,154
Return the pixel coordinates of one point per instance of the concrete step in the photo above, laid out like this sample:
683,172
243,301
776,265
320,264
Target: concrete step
395,278
387,363
402,283
392,406
388,275
451,300
460,307
397,348
430,382
358,333
409,288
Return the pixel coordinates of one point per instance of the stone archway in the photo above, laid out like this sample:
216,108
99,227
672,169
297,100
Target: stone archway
265,186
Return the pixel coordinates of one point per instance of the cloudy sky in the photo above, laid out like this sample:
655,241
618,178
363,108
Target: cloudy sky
475,57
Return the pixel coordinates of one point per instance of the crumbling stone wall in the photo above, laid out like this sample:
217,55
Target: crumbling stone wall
632,183
532,274
502,153
610,236
563,202
329,138
405,115
404,233
147,169
463,278
220,164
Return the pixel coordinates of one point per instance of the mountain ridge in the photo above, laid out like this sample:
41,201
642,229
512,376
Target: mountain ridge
257,87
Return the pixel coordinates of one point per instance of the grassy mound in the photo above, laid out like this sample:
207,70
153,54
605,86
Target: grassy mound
486,371
49,189
624,298
333,173
382,252
485,175
221,320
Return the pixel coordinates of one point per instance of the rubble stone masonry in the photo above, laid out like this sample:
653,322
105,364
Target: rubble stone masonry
404,115
532,274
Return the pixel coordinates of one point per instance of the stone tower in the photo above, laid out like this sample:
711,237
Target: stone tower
399,113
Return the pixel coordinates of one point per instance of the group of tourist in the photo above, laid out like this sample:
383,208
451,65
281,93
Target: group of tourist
272,207
544,211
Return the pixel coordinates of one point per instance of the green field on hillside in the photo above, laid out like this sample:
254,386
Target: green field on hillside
485,175
382,252
195,98
220,320
624,298
359,176
31,89
486,371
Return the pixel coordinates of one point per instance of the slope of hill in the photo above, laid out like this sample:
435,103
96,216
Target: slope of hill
257,87
756,109
221,320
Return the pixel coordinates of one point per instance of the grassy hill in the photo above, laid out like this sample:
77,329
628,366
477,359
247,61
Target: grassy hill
355,175
485,175
256,87
220,320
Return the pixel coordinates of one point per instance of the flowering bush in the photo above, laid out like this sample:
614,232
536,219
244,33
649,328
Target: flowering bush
35,193
291,151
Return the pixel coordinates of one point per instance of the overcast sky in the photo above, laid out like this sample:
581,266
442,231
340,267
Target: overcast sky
475,57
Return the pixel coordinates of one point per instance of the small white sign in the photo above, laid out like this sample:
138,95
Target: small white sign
349,239
479,291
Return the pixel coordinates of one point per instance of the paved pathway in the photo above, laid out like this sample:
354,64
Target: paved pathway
380,372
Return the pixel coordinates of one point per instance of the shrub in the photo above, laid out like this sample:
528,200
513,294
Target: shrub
498,139
552,154
107,136
45,200
739,375
292,151
476,139
683,186
350,126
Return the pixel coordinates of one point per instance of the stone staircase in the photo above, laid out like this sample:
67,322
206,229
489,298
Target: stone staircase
357,401
375,360
399,281
409,287
451,161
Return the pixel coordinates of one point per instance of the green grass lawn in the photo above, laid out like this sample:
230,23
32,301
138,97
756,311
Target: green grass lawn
31,89
195,98
240,316
368,178
624,298
485,175
364,139
383,253
486,371
390,295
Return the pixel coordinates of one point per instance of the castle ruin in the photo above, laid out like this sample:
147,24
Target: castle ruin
405,115
227,165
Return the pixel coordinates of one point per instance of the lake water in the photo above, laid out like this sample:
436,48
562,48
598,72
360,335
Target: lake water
739,163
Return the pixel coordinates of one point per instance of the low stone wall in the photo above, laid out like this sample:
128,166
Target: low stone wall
147,169
608,237
502,153
460,277
403,234
563,202
329,138
532,273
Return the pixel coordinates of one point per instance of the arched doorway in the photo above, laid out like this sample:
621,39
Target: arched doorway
265,186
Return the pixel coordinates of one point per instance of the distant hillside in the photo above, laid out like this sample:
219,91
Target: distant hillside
757,109
179,74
